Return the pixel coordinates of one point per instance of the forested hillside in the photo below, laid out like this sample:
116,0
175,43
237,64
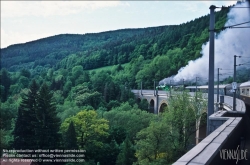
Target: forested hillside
51,86
110,48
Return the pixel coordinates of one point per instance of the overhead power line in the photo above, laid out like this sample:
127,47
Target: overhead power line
232,26
247,62
225,7
239,24
240,27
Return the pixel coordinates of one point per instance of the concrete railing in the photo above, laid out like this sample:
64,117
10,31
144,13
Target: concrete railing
226,134
208,150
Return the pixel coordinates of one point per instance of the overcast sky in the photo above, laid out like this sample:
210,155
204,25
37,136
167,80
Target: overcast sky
23,21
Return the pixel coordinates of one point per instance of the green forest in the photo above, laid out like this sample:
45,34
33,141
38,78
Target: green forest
74,92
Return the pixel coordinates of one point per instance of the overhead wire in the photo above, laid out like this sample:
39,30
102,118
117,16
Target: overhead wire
238,24
225,7
239,27
246,62
227,73
232,26
240,7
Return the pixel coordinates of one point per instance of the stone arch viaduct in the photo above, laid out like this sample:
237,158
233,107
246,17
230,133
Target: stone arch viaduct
156,100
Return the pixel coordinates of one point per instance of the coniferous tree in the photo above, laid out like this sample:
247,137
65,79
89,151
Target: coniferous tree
112,91
24,131
19,139
70,137
48,123
5,82
106,92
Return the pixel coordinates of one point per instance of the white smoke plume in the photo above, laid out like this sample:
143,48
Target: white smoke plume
230,42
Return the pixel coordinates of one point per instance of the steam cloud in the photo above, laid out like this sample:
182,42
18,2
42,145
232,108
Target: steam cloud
228,43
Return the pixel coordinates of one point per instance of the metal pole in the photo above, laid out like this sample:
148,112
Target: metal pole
196,89
141,87
218,85
170,89
156,110
210,109
154,87
234,93
183,85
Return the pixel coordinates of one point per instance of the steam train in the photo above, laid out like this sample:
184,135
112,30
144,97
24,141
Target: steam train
242,91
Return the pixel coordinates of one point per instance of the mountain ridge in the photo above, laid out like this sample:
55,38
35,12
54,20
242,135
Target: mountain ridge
95,50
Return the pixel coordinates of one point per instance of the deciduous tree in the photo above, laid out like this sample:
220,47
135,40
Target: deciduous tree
89,128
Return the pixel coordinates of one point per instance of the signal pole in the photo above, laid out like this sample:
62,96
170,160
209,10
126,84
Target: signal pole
234,93
154,87
218,79
196,88
183,85
141,87
170,89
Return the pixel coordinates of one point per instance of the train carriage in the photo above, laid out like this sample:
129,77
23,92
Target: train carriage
242,91
204,89
245,92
